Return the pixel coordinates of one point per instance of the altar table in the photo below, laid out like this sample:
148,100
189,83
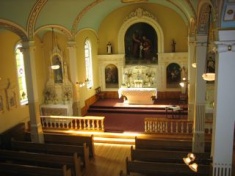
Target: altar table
138,95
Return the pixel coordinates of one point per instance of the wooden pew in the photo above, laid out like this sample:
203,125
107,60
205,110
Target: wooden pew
165,169
166,144
60,149
29,170
167,156
43,160
71,140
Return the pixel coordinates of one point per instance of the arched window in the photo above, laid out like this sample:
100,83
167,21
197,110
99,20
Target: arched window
88,63
21,75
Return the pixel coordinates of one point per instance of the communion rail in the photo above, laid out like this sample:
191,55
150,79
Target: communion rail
154,125
91,123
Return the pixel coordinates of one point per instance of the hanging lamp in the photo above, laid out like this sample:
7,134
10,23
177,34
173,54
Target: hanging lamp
209,74
53,41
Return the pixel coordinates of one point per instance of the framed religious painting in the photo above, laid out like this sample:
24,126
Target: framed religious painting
2,101
173,72
111,76
140,44
11,98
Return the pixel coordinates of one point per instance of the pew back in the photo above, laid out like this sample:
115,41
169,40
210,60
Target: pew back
164,144
44,160
71,140
167,156
60,149
28,170
166,169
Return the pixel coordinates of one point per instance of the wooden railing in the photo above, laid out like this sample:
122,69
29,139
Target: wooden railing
154,125
91,123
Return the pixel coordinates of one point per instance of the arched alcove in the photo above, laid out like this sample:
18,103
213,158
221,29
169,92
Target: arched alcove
138,16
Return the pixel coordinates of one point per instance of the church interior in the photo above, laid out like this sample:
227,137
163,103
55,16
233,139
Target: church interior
117,87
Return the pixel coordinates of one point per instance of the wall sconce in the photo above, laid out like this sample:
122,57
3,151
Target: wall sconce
189,161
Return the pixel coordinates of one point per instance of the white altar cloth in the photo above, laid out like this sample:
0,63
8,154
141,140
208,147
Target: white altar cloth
138,95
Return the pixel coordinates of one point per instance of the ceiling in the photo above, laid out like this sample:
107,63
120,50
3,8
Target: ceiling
74,15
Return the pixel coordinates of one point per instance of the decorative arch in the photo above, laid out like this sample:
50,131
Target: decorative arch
58,28
15,29
140,15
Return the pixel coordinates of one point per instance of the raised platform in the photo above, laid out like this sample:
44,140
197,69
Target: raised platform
118,106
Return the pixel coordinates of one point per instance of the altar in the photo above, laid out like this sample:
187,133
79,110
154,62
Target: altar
138,95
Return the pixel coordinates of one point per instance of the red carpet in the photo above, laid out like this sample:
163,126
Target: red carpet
131,119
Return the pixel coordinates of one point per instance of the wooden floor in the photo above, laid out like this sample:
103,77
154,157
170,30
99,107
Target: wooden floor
109,159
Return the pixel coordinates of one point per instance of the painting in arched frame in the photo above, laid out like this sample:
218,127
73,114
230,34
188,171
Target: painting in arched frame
141,44
111,76
173,72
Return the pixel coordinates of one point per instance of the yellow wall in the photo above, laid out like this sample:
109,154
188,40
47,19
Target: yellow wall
172,25
85,93
9,118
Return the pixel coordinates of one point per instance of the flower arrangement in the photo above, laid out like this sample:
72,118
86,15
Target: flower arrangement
67,94
49,95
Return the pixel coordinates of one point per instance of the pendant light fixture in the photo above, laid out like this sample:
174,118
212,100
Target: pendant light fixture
54,45
209,74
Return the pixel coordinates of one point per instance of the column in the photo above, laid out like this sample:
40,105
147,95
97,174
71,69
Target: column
31,81
191,78
223,126
74,77
200,92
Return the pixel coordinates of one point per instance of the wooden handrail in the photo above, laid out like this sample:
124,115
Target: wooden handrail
155,125
91,123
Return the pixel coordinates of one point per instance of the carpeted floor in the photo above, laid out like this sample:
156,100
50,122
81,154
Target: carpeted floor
117,120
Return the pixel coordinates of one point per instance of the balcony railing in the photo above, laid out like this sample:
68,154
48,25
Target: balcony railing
91,123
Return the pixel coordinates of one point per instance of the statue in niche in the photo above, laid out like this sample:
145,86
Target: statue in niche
58,73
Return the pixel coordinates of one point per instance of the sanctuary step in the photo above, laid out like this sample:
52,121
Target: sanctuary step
117,106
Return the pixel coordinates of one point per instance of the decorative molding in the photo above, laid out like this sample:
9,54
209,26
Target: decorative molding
227,46
139,13
33,17
203,19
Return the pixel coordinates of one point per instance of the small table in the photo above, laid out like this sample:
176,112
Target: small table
175,111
